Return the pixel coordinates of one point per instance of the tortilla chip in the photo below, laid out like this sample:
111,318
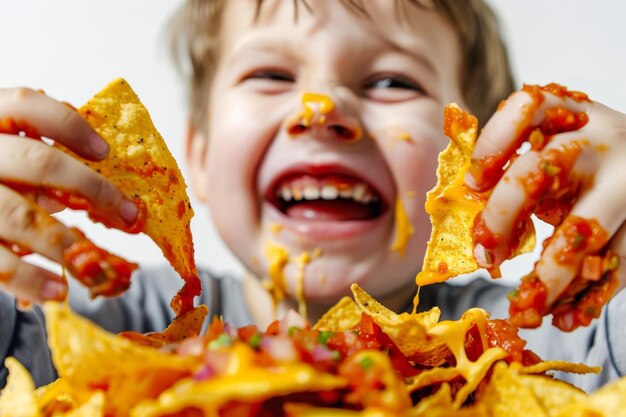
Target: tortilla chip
408,331
451,205
341,317
440,404
506,396
552,394
55,397
93,407
89,358
141,166
251,385
302,410
563,366
16,399
609,400
186,325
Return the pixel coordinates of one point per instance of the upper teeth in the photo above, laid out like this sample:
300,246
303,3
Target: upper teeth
359,192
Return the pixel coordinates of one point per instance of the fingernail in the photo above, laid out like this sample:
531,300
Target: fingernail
470,181
98,146
483,257
53,290
128,211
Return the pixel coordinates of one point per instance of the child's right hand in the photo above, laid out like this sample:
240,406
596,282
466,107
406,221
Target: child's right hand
28,166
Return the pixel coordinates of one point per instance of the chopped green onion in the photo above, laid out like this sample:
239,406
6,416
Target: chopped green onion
255,340
221,341
366,362
324,336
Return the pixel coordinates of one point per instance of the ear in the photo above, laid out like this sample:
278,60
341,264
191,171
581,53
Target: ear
196,145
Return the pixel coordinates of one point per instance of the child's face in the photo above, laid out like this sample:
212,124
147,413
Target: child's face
388,79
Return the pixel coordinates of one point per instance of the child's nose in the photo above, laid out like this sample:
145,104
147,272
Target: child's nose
319,117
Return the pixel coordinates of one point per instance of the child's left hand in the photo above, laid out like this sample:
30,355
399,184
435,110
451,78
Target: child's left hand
576,168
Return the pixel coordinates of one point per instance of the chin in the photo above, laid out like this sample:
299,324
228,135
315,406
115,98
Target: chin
329,277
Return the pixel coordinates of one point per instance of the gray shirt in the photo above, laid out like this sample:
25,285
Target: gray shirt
145,307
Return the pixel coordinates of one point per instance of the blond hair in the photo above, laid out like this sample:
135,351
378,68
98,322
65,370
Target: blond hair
485,78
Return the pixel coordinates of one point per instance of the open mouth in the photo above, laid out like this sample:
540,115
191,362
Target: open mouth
326,197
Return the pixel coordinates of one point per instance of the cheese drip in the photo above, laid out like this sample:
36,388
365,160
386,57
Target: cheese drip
404,229
276,285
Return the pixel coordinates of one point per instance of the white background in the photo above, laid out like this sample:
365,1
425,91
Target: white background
72,48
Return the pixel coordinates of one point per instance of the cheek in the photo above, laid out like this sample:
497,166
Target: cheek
411,153
240,130
238,135
236,144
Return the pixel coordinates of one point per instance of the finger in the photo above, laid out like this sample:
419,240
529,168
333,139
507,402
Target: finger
24,223
37,164
535,181
29,282
512,124
565,251
50,205
53,120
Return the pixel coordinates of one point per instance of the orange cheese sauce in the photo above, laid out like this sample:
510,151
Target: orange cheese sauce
404,229
301,262
277,258
316,102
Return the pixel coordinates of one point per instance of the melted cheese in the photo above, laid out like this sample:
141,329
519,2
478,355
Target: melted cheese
404,229
275,228
402,136
312,103
301,261
277,258
452,333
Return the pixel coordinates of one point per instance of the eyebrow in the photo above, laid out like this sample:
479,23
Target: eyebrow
255,44
419,57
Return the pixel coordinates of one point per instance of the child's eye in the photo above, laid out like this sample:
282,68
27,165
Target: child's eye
271,75
269,81
392,88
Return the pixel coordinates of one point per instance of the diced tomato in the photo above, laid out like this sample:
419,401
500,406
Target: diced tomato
528,303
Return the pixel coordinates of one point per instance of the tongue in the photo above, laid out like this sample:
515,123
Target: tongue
334,210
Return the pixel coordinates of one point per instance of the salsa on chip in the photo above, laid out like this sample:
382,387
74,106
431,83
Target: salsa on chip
472,366
456,216
142,167
359,359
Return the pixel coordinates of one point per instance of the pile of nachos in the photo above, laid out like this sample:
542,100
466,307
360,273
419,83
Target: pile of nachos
359,359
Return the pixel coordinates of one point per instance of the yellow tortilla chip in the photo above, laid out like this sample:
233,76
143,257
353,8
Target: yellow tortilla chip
563,366
16,399
93,407
89,358
342,316
440,404
506,396
552,394
451,205
609,400
429,342
250,385
302,410
55,397
408,331
141,166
